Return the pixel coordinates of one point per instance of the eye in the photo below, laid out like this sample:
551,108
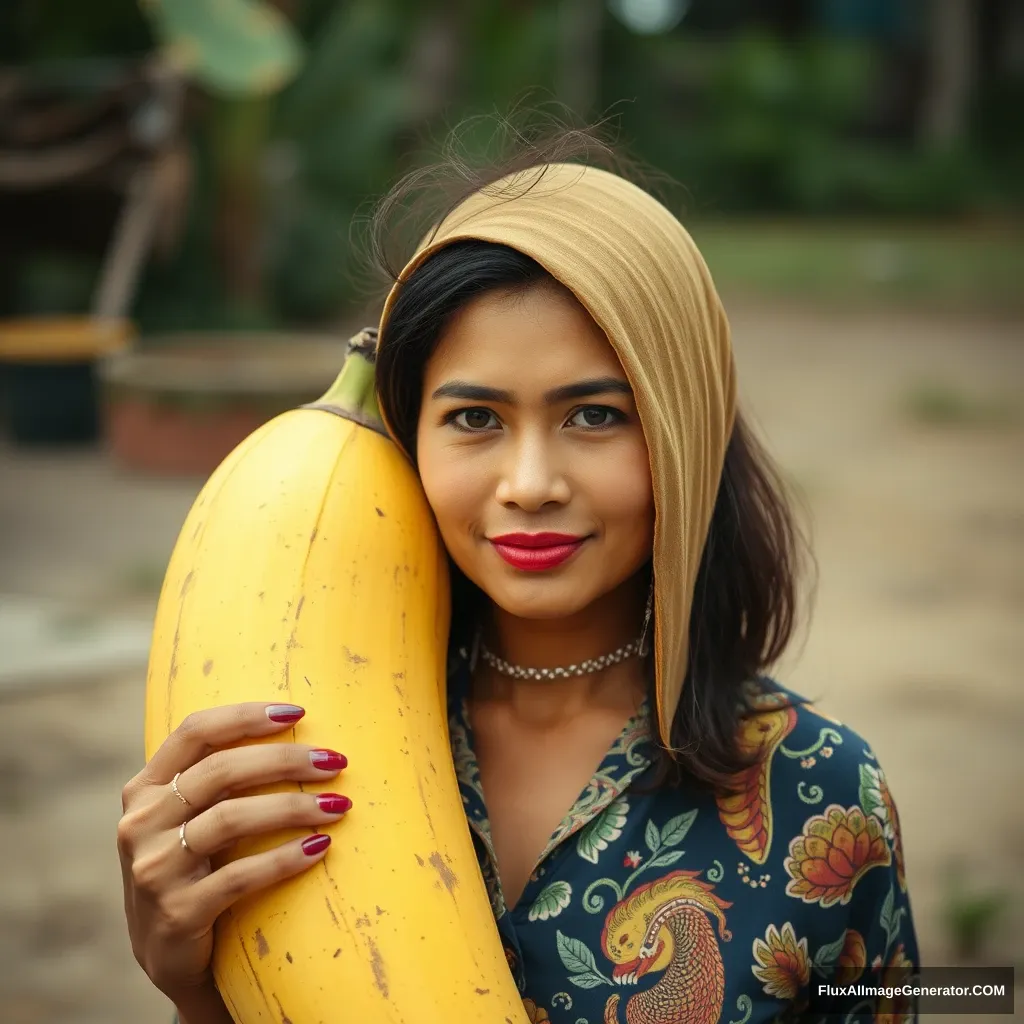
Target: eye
594,417
471,420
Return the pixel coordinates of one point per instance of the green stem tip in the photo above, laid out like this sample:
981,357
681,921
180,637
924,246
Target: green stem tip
353,395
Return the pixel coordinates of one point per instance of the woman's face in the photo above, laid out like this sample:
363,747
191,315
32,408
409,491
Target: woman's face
527,427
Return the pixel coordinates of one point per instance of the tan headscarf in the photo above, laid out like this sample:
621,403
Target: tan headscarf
638,273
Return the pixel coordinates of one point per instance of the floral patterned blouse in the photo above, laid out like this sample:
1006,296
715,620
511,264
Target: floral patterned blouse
664,908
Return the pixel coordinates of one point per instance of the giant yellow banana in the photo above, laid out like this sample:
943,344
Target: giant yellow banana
309,570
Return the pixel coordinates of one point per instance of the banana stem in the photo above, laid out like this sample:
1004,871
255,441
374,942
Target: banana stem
353,387
352,395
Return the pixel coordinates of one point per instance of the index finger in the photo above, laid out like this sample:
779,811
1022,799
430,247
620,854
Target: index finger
203,732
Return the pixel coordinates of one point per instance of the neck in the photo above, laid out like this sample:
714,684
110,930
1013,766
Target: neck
600,628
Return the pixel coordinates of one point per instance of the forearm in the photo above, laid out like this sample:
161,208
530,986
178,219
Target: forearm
203,1006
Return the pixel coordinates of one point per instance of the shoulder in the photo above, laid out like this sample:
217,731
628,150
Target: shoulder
802,737
814,757
839,839
831,800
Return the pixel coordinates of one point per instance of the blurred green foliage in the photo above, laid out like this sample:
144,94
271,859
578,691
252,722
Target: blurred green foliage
233,47
781,134
971,913
763,124
867,263
751,121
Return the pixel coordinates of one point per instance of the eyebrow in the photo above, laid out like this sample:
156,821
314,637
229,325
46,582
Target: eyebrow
581,389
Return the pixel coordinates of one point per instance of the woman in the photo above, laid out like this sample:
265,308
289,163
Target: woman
668,834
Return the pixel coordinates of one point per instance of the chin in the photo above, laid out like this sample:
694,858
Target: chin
538,598
548,610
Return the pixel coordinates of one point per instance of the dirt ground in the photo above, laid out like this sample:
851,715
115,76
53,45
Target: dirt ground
896,430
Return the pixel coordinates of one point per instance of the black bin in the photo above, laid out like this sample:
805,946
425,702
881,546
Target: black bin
49,380
52,403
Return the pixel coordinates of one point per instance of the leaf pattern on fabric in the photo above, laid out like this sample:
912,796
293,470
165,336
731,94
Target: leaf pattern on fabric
674,830
603,830
579,961
551,901
658,841
827,956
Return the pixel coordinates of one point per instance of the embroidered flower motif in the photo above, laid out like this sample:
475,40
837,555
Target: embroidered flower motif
632,859
808,762
825,751
836,849
852,958
782,962
535,1013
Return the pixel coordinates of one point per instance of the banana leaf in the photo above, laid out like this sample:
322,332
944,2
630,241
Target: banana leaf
231,47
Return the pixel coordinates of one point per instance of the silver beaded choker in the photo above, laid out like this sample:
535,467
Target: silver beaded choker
639,646
569,672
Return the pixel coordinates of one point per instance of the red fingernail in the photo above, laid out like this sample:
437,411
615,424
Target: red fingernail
315,844
332,803
285,712
328,760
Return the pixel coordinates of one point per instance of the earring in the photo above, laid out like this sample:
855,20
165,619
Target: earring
645,646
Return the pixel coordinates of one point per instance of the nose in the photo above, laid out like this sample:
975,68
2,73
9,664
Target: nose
532,477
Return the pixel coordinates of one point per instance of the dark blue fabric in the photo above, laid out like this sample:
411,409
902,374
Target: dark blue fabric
744,903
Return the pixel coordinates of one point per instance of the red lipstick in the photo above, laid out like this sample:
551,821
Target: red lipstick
536,552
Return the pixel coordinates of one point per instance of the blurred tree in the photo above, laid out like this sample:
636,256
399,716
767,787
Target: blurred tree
952,42
337,139
242,52
579,54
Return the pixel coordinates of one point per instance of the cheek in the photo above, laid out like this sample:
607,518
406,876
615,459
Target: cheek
621,491
452,484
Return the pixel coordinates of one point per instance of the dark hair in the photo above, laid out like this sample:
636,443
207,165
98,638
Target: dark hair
744,607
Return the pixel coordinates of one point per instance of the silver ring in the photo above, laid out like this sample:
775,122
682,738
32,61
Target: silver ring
177,792
181,837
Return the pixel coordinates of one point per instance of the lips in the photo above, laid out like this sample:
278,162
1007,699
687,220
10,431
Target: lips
536,552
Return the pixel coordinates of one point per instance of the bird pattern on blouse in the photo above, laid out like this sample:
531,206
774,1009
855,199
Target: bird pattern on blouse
667,907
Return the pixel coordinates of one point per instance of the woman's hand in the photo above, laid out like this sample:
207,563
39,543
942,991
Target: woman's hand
172,894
